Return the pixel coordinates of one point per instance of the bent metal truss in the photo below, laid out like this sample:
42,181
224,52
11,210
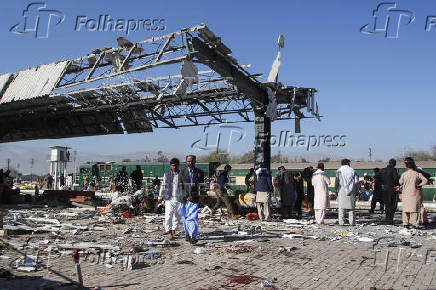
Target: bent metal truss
137,87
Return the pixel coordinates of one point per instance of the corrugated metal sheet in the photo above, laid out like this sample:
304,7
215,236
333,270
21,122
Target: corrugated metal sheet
34,82
4,80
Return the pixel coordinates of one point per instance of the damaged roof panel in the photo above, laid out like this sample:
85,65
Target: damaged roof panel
135,121
34,82
4,81
61,126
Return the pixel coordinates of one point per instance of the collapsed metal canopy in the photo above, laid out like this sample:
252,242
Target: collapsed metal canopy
136,87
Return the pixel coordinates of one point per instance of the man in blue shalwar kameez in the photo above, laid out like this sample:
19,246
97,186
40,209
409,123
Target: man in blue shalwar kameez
192,178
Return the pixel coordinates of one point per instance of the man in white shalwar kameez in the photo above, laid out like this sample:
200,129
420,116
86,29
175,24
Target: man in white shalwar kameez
171,191
346,185
320,182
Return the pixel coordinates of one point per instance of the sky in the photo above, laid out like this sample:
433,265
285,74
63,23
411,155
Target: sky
376,91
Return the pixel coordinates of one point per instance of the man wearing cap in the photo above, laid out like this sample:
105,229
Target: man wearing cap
171,191
390,188
346,185
320,182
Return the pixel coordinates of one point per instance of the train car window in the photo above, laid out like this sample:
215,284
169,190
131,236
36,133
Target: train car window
102,167
108,167
84,170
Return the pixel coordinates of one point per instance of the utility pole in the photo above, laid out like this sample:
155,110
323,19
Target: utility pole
370,154
9,161
32,162
74,165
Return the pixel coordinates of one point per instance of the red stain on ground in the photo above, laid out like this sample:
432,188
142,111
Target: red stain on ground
242,279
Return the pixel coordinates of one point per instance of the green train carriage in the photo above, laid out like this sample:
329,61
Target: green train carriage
149,170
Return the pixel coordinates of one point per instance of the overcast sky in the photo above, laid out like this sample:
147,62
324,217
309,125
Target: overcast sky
377,91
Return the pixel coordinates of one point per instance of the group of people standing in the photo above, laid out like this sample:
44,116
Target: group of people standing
180,190
385,186
290,186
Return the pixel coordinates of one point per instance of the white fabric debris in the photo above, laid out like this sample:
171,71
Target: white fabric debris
365,239
274,69
189,77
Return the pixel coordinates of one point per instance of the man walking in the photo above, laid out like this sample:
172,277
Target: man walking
171,191
221,194
412,182
321,183
192,177
263,188
390,188
286,184
346,187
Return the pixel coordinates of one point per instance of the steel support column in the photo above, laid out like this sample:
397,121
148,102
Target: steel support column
262,140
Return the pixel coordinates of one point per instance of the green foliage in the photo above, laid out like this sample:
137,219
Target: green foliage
245,158
327,159
220,156
161,157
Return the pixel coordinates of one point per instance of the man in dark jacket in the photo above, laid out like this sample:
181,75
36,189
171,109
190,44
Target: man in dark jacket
192,178
299,188
221,193
377,196
287,192
390,188
137,177
310,192
263,188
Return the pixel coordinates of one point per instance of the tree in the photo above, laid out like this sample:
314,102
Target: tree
161,157
419,155
126,160
327,159
247,157
279,158
221,156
